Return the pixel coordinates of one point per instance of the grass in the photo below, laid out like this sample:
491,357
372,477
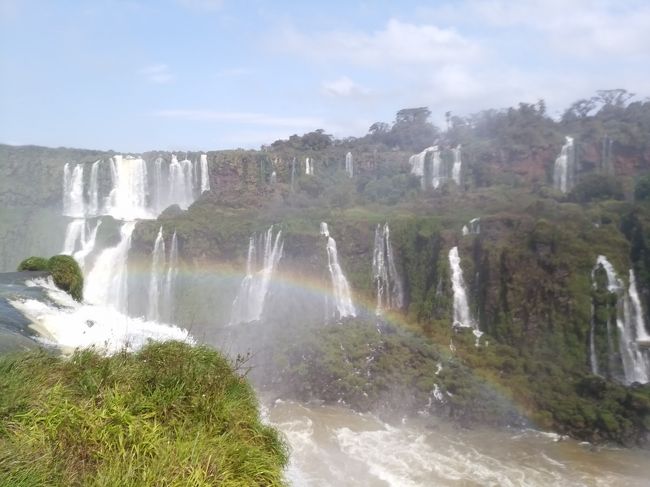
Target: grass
169,415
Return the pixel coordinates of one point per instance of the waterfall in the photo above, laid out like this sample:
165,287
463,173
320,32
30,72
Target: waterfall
87,246
169,286
437,178
155,280
160,186
249,304
93,190
75,236
205,175
128,198
340,286
389,284
455,171
564,170
418,161
309,167
73,191
473,227
462,316
349,164
106,283
180,183
630,328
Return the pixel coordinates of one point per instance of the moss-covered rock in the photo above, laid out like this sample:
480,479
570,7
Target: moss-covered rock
33,264
67,275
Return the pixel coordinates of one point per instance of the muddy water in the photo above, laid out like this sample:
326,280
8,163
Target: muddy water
333,446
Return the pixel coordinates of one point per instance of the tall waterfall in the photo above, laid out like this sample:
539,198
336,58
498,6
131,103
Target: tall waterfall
93,190
309,167
630,330
390,293
437,176
340,286
418,161
260,264
462,315
456,168
156,278
106,283
169,286
73,191
564,170
180,182
205,175
128,198
349,164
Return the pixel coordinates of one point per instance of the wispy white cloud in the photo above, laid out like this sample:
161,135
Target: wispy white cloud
343,87
399,43
157,73
244,118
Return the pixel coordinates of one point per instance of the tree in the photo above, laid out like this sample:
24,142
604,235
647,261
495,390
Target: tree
412,116
617,97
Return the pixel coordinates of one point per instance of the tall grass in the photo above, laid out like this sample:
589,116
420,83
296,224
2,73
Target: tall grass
169,415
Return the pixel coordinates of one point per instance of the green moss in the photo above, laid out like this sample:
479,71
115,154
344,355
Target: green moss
169,415
67,275
33,264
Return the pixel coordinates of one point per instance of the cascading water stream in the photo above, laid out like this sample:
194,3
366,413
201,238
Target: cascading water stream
630,328
457,166
155,280
388,282
248,306
205,175
169,286
341,288
349,164
462,316
564,169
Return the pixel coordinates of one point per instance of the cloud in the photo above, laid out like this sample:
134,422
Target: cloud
233,72
207,5
398,44
241,117
343,87
157,73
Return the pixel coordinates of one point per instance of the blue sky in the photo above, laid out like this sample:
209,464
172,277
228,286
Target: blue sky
136,75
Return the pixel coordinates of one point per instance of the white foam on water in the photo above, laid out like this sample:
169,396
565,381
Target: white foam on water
68,324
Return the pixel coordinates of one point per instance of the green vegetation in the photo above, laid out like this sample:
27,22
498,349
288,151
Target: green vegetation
169,415
65,272
67,275
33,264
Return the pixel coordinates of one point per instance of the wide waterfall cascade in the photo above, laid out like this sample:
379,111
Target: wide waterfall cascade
180,182
128,198
437,176
390,292
106,283
457,166
340,287
630,328
349,164
205,175
462,315
156,278
260,265
564,169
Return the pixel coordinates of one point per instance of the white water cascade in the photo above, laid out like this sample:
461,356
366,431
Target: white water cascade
106,283
93,208
248,306
390,293
156,278
205,175
418,162
462,315
456,168
349,164
340,287
564,169
309,167
437,177
73,191
169,286
473,227
630,326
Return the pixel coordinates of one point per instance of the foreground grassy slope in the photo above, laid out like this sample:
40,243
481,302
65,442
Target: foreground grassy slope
169,415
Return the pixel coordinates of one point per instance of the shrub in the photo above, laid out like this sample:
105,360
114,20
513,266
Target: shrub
33,264
67,275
